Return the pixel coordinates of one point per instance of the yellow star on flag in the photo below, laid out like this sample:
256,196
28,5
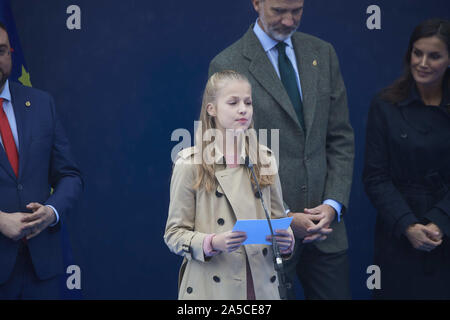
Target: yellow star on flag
25,78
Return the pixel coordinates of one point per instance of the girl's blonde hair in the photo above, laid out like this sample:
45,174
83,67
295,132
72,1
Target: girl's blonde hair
206,170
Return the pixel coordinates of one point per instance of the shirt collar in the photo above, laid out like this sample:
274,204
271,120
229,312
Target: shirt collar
412,96
6,94
267,42
415,96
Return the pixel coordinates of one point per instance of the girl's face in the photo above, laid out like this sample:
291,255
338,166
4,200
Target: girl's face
429,61
233,107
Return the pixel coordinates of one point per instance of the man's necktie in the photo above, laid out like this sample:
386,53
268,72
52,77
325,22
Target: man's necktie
9,145
8,140
289,80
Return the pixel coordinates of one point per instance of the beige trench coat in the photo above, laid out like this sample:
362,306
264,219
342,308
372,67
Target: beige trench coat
193,214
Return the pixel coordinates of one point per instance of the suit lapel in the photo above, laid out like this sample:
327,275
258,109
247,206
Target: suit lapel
4,162
21,112
262,69
307,64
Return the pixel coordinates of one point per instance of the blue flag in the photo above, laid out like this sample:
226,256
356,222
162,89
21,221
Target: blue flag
20,74
19,71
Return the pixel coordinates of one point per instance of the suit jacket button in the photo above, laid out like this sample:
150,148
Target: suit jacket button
20,187
221,222
404,135
216,279
273,279
189,290
264,252
304,188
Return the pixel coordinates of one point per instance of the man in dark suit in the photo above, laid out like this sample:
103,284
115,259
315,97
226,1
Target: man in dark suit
34,157
298,89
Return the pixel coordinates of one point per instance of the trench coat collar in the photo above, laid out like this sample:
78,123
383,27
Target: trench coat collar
414,95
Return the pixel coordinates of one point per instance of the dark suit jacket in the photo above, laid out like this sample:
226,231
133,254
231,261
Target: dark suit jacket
45,162
317,166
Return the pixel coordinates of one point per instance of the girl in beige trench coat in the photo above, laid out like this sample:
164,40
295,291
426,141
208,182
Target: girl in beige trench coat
208,195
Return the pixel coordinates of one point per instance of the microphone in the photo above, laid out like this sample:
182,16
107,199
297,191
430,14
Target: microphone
278,261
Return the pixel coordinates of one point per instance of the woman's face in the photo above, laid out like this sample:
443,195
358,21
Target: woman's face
233,108
429,61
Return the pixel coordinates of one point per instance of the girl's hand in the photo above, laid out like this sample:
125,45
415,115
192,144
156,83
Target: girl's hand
228,241
285,240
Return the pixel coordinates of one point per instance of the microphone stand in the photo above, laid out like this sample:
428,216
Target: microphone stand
278,261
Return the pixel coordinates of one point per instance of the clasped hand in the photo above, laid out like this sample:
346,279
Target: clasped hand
313,224
18,225
424,237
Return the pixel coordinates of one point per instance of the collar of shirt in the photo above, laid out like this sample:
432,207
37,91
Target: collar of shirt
267,42
8,108
414,95
6,94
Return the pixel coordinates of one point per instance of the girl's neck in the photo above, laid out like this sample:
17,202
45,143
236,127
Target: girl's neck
232,152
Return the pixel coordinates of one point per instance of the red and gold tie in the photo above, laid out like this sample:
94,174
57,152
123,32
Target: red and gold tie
8,140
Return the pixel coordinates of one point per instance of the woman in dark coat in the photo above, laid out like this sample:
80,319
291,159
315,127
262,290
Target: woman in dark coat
407,171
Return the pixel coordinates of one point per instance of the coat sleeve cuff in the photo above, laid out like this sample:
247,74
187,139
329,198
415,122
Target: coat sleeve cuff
196,247
337,206
56,215
439,218
403,223
207,246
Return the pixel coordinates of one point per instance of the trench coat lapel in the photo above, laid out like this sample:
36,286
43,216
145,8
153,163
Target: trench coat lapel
236,186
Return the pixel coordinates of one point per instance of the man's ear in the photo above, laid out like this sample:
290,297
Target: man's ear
256,5
211,109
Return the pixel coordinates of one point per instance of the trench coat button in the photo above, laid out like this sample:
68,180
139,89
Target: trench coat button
218,194
404,135
264,251
221,222
189,290
216,279
257,194
273,279
304,188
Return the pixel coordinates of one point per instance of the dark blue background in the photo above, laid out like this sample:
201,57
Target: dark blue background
136,71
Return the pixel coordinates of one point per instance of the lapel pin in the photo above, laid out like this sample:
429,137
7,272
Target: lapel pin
315,63
28,104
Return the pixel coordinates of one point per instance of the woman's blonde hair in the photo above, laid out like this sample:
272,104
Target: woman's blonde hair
206,170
